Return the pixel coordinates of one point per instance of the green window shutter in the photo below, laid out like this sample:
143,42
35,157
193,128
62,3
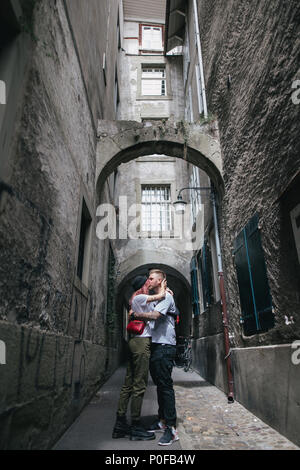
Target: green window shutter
204,260
195,290
256,302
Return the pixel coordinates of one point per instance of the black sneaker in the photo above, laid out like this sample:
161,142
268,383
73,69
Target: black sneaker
138,433
170,436
158,426
121,428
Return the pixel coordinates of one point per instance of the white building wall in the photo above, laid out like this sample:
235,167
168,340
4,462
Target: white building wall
155,169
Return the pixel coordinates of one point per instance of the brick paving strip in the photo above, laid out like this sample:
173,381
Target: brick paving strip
206,421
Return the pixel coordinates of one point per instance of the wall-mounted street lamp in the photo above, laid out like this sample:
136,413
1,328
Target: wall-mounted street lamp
180,206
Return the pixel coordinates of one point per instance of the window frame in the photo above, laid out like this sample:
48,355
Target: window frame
82,283
152,63
15,50
160,204
205,267
161,79
142,50
195,195
158,234
196,292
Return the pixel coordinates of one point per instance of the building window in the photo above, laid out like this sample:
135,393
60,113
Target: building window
9,26
195,196
151,38
84,244
186,55
119,32
205,269
116,94
111,286
156,208
199,89
256,303
154,81
11,74
195,287
214,260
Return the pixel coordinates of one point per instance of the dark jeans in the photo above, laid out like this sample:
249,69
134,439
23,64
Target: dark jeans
161,366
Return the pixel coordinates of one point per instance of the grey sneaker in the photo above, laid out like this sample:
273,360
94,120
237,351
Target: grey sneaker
170,436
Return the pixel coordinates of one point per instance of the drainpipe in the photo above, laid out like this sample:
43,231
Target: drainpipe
200,59
223,302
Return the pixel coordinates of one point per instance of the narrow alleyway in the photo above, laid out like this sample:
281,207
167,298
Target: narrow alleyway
205,420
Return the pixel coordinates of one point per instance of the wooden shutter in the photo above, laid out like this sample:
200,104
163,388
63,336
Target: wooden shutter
204,261
256,302
195,290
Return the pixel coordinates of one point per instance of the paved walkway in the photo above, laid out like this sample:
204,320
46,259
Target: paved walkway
205,420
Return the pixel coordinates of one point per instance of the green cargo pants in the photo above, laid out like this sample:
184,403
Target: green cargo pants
136,377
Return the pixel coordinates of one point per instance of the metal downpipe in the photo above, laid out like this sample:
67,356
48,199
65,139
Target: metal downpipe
224,304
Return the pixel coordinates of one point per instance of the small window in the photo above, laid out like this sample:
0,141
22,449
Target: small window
214,260
118,32
195,196
195,288
199,89
205,268
116,94
154,81
84,244
9,66
156,208
152,38
9,26
111,318
2,92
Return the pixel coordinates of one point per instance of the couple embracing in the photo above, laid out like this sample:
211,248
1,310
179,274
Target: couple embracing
154,349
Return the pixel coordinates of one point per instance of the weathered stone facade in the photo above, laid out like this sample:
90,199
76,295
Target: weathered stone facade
251,58
53,325
258,132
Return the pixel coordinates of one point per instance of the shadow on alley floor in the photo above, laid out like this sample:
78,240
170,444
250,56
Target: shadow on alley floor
205,420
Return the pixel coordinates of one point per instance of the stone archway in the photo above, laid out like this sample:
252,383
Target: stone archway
122,141
174,264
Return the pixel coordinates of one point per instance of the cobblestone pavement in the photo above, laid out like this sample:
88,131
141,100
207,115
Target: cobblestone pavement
206,421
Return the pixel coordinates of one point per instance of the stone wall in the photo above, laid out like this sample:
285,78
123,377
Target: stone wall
251,59
257,45
58,349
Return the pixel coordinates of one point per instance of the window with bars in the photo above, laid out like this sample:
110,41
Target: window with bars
156,208
154,81
152,38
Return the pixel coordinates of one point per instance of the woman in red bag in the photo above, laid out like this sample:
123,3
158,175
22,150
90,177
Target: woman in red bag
136,379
